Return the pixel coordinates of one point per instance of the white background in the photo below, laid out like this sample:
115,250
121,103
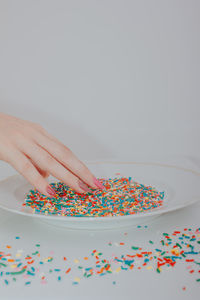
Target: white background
114,80
111,79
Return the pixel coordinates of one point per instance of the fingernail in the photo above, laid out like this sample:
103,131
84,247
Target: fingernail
83,186
50,191
98,183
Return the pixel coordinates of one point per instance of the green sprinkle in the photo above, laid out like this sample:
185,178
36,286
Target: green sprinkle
18,273
158,270
135,248
178,245
3,265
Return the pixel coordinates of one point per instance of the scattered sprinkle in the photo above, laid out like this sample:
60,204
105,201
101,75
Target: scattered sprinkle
179,246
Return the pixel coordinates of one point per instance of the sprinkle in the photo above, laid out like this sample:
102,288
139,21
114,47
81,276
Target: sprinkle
68,270
135,248
120,196
181,247
76,261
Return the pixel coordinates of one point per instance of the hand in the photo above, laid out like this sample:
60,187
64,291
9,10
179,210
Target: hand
34,153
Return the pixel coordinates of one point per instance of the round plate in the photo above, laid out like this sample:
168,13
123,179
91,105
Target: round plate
181,187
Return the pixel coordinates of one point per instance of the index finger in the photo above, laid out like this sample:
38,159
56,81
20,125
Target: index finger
67,158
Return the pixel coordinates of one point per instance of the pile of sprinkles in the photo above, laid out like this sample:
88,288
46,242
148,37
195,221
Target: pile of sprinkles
181,246
120,197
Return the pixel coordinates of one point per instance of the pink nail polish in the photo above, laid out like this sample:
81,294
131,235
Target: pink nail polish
98,183
50,191
83,186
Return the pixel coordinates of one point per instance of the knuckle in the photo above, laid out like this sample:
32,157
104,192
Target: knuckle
16,135
48,161
26,167
63,152
38,126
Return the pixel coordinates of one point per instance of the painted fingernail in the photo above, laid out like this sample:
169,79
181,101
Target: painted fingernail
50,191
83,186
98,183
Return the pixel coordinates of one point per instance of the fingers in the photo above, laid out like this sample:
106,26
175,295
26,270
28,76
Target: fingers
42,158
24,166
65,156
42,172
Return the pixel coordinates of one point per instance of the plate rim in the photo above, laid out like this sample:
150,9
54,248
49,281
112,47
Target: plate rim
150,213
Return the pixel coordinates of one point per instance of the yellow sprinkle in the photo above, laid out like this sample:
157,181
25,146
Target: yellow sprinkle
149,267
18,254
175,251
77,279
76,261
45,259
118,270
13,266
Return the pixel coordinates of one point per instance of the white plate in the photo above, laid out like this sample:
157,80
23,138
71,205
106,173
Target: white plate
181,187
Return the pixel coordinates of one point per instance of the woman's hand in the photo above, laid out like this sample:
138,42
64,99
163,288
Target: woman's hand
34,153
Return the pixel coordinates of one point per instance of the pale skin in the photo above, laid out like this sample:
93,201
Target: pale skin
36,154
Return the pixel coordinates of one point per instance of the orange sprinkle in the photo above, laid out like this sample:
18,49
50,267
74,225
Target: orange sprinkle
68,270
131,267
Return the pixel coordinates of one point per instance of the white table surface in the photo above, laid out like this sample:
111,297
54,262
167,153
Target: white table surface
143,284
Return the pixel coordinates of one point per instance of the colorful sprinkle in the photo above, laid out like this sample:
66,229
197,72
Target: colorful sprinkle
120,197
156,256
